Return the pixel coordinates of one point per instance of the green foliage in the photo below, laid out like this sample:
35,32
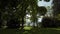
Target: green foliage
42,10
56,8
16,9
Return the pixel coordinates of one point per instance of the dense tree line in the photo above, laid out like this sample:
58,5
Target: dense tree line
13,12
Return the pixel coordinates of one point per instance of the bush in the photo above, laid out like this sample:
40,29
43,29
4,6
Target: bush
50,22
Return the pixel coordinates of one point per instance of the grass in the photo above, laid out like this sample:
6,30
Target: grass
27,28
31,31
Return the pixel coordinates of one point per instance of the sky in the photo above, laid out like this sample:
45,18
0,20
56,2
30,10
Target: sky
44,3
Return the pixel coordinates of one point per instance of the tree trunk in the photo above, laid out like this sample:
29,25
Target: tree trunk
22,23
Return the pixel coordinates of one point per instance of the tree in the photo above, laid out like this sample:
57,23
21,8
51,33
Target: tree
8,9
56,7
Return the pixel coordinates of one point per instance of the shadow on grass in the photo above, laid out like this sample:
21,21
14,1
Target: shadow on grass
32,31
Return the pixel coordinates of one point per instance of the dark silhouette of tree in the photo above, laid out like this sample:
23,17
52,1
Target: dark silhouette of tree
56,7
47,0
50,22
14,11
42,10
8,10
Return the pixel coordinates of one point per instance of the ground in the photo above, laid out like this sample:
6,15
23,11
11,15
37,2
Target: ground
31,31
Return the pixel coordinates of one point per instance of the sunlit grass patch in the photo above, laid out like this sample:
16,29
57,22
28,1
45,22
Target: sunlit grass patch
27,28
57,29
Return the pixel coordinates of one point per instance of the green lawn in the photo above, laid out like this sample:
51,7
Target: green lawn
31,31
